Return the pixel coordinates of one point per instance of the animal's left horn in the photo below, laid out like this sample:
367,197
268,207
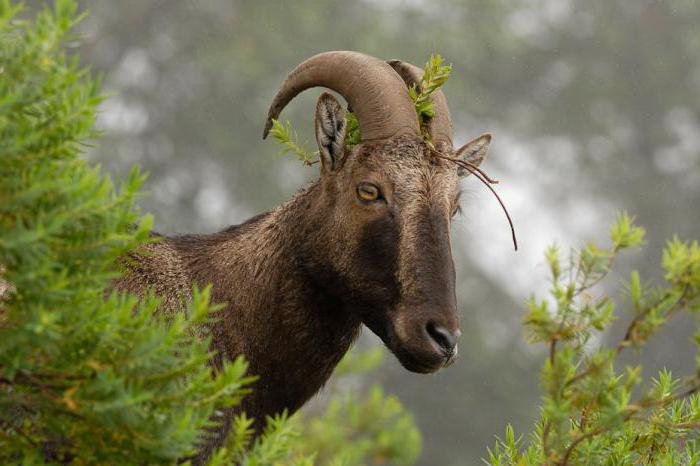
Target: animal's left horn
440,125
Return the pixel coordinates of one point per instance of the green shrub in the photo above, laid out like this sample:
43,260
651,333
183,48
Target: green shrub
592,410
82,375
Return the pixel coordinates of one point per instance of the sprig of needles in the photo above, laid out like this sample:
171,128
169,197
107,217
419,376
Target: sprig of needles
287,138
435,74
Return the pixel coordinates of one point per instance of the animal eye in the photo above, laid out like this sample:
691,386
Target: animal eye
456,210
367,192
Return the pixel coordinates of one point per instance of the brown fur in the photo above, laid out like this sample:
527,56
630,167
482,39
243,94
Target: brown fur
297,282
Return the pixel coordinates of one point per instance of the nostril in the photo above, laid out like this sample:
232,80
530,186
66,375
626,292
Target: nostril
444,338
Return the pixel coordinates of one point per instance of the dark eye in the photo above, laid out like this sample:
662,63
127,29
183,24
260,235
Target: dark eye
367,192
456,210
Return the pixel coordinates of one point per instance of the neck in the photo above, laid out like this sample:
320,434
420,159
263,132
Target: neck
279,313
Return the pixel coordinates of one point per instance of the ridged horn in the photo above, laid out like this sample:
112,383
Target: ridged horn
372,89
439,126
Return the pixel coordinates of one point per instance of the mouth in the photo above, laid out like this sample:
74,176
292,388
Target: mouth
422,362
417,352
452,357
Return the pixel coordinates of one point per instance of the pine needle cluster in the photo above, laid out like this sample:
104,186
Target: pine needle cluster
593,410
287,138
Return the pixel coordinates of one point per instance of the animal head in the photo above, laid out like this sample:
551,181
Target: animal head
387,202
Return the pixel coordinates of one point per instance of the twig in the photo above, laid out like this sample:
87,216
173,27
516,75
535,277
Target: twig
545,438
634,408
669,425
485,179
473,167
640,317
552,350
577,440
585,286
629,335
664,401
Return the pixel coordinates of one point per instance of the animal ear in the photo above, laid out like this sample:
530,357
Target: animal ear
330,131
474,152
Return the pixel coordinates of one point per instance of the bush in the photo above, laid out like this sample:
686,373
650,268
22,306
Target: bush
90,376
590,414
81,375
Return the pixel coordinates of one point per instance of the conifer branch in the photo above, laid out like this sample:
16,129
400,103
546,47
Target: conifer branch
435,74
287,138
586,401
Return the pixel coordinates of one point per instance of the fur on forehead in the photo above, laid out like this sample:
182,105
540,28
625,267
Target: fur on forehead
404,152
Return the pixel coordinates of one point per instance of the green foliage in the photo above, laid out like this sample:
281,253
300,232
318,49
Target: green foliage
589,413
287,138
92,376
435,74
352,134
374,430
275,446
359,427
360,362
82,374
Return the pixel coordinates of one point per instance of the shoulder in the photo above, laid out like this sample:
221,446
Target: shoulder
155,266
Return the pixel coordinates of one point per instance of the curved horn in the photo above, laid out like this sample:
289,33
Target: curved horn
440,126
370,86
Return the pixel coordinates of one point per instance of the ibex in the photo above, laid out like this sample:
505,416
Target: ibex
367,243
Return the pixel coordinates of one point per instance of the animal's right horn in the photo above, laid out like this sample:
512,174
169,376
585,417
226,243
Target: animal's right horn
372,89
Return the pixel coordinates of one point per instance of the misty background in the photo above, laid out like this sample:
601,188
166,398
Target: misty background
594,107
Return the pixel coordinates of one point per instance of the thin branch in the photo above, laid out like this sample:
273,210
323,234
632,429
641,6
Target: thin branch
463,163
545,438
624,342
669,425
552,350
485,179
585,286
576,442
665,401
640,317
633,408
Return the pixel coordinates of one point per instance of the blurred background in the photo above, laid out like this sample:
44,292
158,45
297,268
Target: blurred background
594,106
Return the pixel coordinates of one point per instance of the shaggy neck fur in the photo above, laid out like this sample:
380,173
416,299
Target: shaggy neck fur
283,311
